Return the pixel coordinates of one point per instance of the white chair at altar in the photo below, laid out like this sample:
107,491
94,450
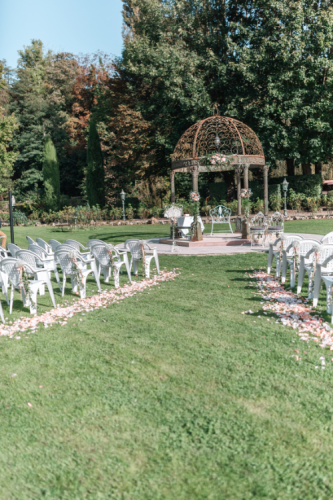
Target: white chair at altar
184,224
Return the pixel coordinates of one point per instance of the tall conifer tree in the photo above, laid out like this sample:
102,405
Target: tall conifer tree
95,184
51,176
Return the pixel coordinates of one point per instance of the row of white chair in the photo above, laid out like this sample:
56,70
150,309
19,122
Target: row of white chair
42,258
315,259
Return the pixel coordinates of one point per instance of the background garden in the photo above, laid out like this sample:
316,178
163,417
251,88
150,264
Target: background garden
79,129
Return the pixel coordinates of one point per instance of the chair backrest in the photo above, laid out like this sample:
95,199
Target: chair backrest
259,220
101,253
220,214
67,248
44,245
276,219
30,241
304,246
134,246
65,259
9,266
75,244
327,239
13,249
29,257
288,244
94,242
54,244
325,251
38,251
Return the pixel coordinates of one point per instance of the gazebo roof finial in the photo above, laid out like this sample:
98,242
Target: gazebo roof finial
215,107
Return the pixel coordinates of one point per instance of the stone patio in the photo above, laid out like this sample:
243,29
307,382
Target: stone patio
217,244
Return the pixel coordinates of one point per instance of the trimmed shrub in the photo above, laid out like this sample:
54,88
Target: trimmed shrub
309,185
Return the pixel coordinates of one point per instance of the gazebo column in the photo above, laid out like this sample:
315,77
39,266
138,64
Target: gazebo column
239,200
246,176
195,178
172,183
266,167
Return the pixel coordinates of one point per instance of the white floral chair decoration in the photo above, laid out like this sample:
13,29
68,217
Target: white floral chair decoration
220,215
138,250
258,228
292,255
276,250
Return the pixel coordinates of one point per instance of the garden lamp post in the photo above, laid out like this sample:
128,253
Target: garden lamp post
285,185
11,222
123,196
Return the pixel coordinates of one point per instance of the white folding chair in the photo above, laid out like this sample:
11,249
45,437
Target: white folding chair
40,273
14,270
108,259
293,254
72,265
138,249
47,260
280,243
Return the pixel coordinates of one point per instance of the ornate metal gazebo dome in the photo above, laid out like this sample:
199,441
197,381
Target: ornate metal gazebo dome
235,138
237,146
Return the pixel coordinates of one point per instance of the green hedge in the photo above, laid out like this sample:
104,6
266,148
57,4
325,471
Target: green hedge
218,191
274,189
310,185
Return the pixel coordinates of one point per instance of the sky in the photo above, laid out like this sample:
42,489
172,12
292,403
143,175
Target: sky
76,26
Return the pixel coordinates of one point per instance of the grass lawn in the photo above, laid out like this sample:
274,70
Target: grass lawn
175,395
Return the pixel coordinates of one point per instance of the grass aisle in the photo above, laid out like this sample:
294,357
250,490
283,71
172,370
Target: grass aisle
173,394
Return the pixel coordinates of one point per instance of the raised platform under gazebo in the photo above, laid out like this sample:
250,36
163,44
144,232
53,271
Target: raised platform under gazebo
226,137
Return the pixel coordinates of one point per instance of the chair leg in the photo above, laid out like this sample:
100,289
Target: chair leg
301,274
284,267
135,266
50,289
317,287
57,277
270,259
125,259
11,300
231,228
157,262
63,284
1,314
147,268
83,288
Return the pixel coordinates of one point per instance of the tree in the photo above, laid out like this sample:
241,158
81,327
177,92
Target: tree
51,176
95,169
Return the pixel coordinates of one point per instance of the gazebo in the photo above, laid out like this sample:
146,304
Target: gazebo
237,146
